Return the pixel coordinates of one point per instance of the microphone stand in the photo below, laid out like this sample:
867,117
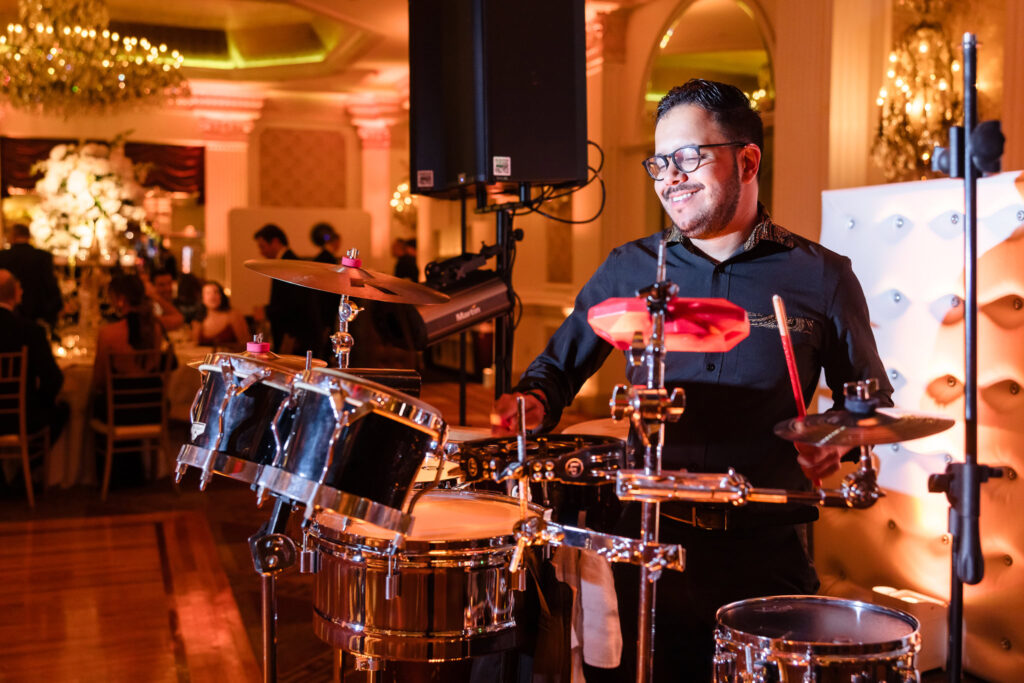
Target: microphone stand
962,482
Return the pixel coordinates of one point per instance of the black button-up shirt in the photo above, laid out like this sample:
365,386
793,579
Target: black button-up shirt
733,399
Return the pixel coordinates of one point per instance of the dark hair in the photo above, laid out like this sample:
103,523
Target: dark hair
139,317
20,231
726,104
322,233
157,272
225,303
271,232
411,243
190,289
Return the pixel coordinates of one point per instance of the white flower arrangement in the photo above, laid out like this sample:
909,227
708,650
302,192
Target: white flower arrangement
88,193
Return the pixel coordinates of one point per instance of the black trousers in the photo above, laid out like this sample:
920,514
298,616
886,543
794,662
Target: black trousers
721,567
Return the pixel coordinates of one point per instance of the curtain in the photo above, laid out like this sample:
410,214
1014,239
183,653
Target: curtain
174,168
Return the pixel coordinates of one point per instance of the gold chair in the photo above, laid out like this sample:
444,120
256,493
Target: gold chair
14,409
136,405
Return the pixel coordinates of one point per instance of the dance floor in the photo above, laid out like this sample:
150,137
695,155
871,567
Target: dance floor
127,598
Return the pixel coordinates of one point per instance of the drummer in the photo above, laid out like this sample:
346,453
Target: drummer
721,243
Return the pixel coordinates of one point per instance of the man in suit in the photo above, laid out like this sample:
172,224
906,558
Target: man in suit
44,378
292,311
34,270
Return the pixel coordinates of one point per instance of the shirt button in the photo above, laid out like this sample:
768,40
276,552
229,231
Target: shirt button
711,367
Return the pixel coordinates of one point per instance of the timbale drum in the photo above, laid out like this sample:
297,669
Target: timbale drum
814,639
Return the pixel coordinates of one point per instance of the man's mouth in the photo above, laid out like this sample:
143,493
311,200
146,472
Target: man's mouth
678,196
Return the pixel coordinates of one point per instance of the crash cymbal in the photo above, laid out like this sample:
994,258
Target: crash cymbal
358,282
690,324
842,428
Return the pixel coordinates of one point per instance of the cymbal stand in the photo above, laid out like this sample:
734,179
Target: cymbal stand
342,341
272,552
649,408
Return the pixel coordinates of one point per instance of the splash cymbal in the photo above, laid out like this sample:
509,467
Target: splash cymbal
843,428
358,282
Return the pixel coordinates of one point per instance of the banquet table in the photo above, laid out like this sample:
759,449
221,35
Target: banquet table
73,458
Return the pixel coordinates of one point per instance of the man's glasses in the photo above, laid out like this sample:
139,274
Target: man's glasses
686,159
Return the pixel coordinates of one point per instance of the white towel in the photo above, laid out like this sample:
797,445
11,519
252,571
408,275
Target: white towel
596,635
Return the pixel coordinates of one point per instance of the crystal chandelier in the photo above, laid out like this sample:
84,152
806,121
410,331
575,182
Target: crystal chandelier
920,99
62,58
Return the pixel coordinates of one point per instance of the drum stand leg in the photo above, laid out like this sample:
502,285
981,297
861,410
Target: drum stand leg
272,553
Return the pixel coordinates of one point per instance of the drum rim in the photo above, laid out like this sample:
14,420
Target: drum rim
419,546
239,361
378,389
218,462
300,490
724,632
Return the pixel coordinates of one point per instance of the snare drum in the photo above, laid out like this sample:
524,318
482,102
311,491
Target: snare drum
813,638
454,597
233,412
354,447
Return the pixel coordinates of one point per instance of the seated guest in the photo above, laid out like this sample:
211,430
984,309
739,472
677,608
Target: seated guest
44,378
41,298
160,289
189,301
218,324
137,329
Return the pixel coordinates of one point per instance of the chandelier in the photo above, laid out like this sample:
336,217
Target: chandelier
62,58
919,101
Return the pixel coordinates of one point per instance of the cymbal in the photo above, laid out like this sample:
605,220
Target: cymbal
690,324
842,428
361,283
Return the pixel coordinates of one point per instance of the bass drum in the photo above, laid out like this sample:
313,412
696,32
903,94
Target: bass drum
814,639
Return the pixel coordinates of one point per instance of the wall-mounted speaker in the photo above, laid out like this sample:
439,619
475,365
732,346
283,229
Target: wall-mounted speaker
497,94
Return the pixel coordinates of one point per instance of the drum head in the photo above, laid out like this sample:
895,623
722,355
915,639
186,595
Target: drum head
820,623
446,515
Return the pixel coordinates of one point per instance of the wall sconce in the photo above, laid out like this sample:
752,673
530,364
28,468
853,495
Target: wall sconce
919,101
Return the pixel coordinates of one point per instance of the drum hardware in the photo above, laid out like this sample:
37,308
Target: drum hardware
272,552
232,388
578,459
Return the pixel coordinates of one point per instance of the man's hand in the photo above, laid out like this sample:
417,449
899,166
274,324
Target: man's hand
818,462
503,414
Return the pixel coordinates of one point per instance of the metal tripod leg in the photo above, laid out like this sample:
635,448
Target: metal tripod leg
272,553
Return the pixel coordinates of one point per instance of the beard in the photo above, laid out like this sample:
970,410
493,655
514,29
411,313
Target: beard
713,220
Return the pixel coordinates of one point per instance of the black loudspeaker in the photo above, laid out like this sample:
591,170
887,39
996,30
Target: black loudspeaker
497,94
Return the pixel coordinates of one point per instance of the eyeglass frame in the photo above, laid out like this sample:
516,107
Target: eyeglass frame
672,157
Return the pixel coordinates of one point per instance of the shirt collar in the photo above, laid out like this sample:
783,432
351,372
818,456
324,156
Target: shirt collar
764,229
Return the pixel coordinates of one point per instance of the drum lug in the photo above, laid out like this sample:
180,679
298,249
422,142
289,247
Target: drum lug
179,472
367,663
765,670
725,667
392,580
309,562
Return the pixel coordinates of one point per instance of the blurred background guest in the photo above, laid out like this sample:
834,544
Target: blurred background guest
137,328
44,378
189,299
218,324
324,236
41,298
292,311
160,289
404,252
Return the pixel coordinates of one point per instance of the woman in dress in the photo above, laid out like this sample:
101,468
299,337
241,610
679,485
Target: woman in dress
137,327
218,324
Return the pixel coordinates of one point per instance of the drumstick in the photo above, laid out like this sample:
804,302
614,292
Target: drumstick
787,349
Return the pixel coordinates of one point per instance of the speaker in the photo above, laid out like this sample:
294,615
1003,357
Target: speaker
497,94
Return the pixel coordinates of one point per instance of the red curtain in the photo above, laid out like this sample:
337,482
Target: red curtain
174,168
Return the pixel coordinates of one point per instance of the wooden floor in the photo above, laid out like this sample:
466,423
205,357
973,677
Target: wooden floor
127,598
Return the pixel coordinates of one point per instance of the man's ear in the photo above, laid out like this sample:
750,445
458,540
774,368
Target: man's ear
749,162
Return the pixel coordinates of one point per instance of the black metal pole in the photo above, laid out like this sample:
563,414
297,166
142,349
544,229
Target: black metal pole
462,335
503,330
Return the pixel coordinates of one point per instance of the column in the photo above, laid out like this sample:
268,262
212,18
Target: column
373,120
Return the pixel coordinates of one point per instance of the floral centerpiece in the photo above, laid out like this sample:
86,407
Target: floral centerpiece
89,194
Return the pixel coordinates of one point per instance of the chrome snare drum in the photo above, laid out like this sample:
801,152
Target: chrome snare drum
355,447
233,412
450,595
814,639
